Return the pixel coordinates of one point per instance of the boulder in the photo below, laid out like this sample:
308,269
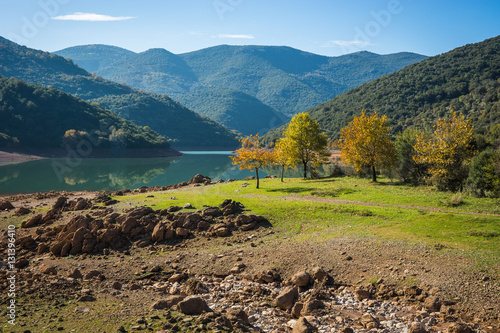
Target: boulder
76,274
6,205
129,224
31,222
48,269
193,305
297,309
159,232
286,298
60,202
310,306
22,211
211,211
369,321
432,304
319,274
199,179
167,303
301,279
416,327
237,316
361,294
303,326
458,328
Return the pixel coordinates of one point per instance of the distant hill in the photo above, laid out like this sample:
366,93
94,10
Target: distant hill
286,79
234,109
37,117
49,69
466,79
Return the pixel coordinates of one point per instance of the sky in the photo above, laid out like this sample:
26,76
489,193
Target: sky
326,27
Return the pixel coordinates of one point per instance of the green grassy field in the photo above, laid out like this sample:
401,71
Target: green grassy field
325,208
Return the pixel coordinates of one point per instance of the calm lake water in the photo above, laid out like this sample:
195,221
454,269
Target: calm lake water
115,173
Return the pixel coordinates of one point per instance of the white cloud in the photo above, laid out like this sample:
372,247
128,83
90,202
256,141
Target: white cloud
90,17
354,43
235,36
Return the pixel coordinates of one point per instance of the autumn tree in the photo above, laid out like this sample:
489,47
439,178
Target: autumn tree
252,156
365,142
308,145
447,154
283,155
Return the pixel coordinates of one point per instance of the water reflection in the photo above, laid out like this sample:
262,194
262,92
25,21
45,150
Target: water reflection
113,174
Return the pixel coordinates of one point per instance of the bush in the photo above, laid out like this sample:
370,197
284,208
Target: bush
484,174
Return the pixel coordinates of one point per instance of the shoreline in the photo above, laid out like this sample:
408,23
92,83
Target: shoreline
8,156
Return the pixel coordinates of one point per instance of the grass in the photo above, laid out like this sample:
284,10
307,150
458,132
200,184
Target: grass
307,209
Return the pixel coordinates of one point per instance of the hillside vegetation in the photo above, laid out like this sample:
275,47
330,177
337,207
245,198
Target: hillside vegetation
160,112
282,78
37,117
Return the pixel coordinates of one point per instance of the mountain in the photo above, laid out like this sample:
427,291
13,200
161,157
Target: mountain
37,117
466,79
162,114
234,109
286,79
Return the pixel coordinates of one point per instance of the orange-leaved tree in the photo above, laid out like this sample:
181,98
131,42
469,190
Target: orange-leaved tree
252,156
365,142
448,153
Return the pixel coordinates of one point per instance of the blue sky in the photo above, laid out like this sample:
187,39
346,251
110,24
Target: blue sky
327,27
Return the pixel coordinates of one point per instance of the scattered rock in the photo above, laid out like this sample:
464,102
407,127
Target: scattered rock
361,294
303,326
459,328
48,269
416,327
167,303
301,279
6,205
22,211
76,274
286,298
193,305
432,304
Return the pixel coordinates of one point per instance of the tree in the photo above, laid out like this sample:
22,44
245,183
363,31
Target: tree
408,169
484,174
252,155
308,145
448,152
282,154
365,142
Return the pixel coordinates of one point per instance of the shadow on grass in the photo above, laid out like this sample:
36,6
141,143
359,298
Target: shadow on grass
290,190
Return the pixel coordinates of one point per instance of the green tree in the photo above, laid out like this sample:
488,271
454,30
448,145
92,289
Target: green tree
484,174
365,142
408,170
307,144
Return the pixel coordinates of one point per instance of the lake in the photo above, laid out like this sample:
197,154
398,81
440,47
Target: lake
115,173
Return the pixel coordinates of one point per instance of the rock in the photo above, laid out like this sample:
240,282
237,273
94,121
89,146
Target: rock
188,206
301,279
286,298
167,303
199,179
6,205
182,232
177,277
303,326
21,263
31,222
310,306
432,304
75,274
94,273
48,269
237,316
60,202
211,211
22,211
109,235
361,294
319,274
193,305
159,232
459,328
416,327
297,309
129,224
369,321
116,285
222,231
347,330
173,209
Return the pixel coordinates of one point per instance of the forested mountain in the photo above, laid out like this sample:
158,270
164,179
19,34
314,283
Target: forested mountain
37,117
286,79
466,79
234,109
161,113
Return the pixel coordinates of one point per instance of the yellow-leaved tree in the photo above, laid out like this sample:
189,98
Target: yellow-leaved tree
307,144
448,152
365,142
252,156
283,155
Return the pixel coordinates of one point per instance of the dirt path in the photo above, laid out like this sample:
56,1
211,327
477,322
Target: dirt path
367,203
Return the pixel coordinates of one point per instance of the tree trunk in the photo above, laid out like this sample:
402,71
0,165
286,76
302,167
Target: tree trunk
282,172
374,174
305,169
257,176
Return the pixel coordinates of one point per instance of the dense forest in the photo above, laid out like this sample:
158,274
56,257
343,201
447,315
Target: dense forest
466,79
183,126
37,117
